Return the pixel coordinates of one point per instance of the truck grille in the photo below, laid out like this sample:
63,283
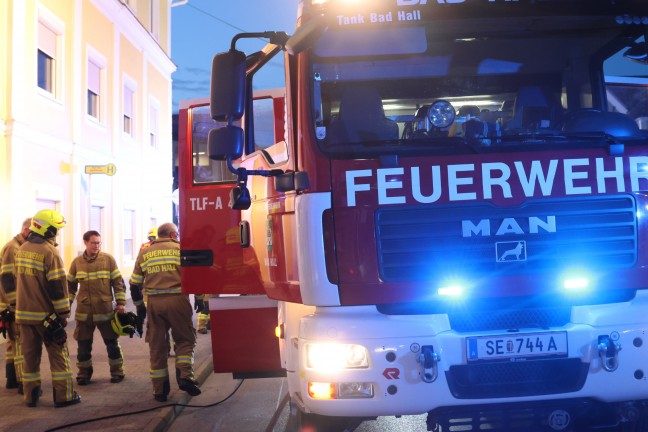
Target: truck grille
425,242
516,379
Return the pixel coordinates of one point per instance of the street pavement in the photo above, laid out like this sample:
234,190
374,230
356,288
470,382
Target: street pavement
125,406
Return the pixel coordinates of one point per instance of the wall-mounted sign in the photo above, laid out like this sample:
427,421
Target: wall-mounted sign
109,169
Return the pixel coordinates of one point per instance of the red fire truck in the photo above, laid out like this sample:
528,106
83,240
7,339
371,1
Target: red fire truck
443,212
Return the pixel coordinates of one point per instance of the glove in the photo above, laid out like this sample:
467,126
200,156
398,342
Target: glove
199,305
141,312
139,327
55,330
6,318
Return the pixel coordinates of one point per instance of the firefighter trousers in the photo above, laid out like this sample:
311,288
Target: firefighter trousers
84,333
32,341
172,312
13,357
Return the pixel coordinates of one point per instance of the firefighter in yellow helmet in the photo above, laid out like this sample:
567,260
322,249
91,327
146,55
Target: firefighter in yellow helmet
94,280
157,269
151,235
8,307
42,310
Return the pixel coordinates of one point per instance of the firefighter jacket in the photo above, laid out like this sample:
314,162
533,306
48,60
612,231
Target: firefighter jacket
7,281
145,245
40,281
158,268
92,281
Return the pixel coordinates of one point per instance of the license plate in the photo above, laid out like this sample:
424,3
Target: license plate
506,347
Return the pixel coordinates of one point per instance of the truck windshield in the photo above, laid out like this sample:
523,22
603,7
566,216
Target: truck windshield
471,87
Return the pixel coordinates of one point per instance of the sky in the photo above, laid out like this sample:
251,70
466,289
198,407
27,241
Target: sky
202,28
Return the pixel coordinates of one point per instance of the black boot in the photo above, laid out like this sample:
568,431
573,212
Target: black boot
162,397
75,400
32,401
190,386
10,369
85,380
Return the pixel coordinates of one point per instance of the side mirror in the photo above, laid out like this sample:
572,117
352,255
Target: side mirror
240,198
228,86
225,142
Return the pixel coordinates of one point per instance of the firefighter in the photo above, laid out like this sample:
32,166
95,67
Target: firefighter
204,323
158,269
42,310
94,280
8,308
152,235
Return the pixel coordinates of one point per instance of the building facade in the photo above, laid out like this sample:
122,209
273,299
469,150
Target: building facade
85,119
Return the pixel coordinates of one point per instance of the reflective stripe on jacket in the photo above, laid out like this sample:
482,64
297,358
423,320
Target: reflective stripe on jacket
158,268
7,281
93,281
40,281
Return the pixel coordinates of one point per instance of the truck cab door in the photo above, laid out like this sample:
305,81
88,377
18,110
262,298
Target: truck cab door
213,259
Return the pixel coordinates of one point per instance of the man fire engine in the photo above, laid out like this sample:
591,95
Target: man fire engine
443,212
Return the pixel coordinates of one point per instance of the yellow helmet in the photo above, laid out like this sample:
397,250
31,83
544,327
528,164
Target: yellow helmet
125,324
47,223
152,233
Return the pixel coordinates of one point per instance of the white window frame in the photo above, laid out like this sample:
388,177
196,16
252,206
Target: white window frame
55,50
100,211
45,201
100,61
155,19
129,126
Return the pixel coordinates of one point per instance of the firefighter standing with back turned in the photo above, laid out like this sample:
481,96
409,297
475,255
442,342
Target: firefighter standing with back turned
152,235
8,307
158,269
92,280
42,309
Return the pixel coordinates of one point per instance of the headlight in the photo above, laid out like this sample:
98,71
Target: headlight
441,114
332,357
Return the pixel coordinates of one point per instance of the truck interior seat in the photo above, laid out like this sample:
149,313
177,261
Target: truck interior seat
362,118
534,108
612,123
469,110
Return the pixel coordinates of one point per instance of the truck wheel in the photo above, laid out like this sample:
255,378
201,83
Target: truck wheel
299,421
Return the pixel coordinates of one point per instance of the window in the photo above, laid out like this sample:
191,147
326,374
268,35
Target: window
129,229
128,111
94,89
264,123
48,204
155,19
206,170
45,204
96,216
47,54
153,125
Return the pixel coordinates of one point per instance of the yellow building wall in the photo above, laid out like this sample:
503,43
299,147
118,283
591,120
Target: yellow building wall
47,141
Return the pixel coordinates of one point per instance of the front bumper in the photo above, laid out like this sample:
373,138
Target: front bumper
402,381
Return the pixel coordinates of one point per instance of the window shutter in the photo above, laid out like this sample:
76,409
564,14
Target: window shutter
94,78
46,40
128,102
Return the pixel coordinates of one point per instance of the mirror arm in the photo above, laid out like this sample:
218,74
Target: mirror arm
242,173
276,38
